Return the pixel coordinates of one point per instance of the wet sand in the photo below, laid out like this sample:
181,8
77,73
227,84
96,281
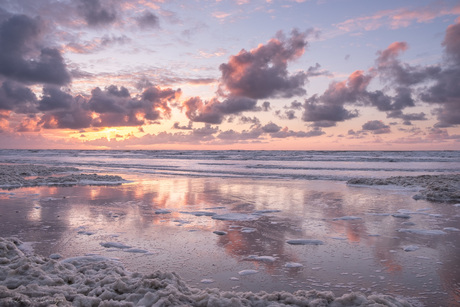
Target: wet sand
374,240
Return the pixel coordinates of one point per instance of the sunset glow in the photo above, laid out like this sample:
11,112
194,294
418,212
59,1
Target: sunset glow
295,75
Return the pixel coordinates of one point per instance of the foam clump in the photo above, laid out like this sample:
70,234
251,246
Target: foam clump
32,280
235,217
305,242
15,176
434,187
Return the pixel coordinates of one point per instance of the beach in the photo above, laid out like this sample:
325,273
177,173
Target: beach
286,233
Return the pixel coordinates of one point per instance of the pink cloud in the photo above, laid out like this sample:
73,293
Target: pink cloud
262,72
398,18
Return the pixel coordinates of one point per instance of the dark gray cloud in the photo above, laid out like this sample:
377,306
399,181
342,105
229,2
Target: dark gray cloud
22,56
434,84
287,114
115,106
97,13
205,133
446,88
77,117
376,126
316,71
177,125
16,97
111,107
111,100
54,98
148,20
410,85
295,105
266,106
213,111
262,72
407,117
327,109
326,115
271,128
285,133
235,136
451,43
448,115
250,120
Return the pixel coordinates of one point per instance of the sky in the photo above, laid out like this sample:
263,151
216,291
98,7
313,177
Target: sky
236,74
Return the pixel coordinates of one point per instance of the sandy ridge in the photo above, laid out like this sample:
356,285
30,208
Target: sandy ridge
15,176
432,187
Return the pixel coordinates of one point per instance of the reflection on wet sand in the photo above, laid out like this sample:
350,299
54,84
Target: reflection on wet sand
171,218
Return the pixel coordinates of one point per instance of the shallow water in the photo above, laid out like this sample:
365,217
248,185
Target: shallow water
168,220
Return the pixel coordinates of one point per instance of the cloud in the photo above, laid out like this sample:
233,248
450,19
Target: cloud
148,20
254,121
53,98
232,136
445,90
398,18
16,97
116,107
403,75
112,107
288,114
271,128
203,135
77,117
266,106
295,105
451,42
177,125
97,14
96,44
285,133
213,111
326,115
22,56
407,118
262,72
29,124
376,126
350,90
328,109
409,86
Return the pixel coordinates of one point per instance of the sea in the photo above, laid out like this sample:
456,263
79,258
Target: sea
298,165
255,221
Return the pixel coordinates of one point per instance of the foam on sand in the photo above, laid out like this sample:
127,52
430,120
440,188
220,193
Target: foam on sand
32,280
16,176
261,258
425,232
235,217
305,242
434,187
347,218
114,245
